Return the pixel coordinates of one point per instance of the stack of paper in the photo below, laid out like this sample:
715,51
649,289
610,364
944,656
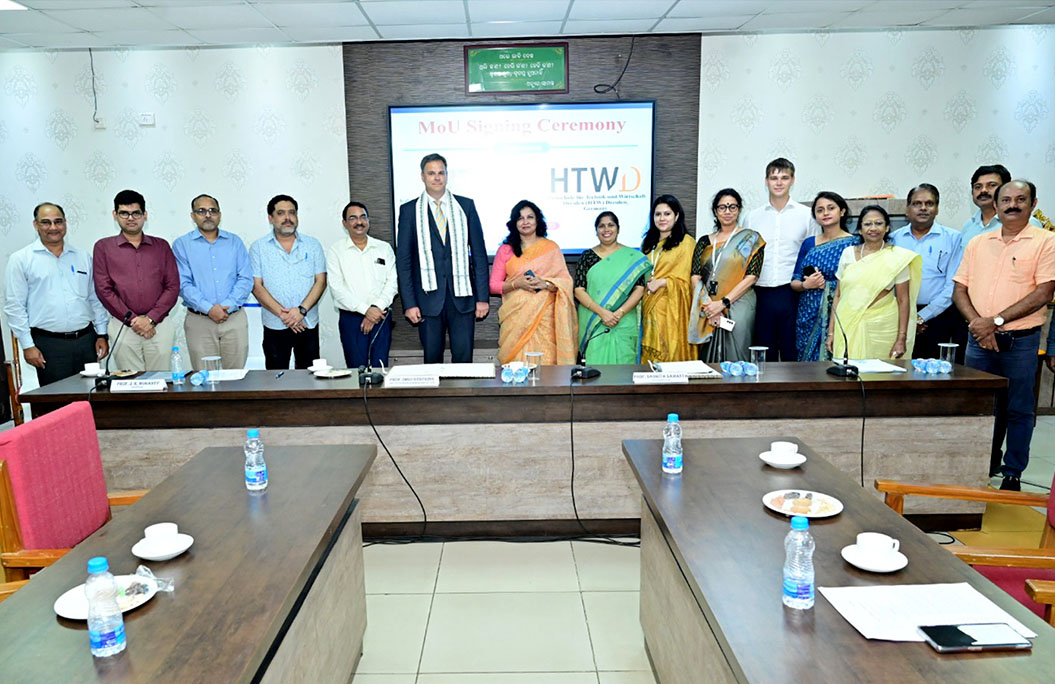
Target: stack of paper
697,370
446,370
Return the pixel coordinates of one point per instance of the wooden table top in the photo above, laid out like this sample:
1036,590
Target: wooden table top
731,549
786,390
237,588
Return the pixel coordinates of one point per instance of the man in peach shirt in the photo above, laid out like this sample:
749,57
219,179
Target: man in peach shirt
1005,281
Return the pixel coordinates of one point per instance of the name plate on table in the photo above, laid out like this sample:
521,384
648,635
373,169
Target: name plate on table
137,385
661,378
419,380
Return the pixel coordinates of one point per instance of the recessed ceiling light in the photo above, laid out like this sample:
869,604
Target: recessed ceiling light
10,5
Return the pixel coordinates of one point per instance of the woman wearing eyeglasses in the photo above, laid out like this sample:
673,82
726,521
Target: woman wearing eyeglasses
725,266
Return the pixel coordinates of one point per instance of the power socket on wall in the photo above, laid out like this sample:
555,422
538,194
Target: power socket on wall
100,123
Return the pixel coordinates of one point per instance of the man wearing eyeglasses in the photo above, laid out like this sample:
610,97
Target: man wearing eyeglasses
215,282
137,280
50,304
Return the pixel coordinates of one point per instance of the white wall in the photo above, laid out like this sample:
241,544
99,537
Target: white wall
241,124
878,112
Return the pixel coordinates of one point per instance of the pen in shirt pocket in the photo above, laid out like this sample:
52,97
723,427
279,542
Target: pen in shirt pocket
73,270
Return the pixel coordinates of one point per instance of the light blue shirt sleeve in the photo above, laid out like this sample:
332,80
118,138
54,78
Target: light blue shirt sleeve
191,293
100,315
943,299
16,302
243,279
256,267
318,257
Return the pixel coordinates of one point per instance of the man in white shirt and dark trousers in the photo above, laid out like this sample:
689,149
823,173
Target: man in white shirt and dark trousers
362,278
784,225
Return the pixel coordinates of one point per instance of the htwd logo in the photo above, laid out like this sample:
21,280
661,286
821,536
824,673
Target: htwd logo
597,180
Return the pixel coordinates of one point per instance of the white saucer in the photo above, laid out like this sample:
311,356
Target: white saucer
783,461
891,563
97,374
143,548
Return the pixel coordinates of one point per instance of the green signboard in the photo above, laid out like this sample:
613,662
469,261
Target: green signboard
516,68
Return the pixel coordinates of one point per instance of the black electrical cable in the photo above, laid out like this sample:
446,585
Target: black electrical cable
604,88
95,97
864,413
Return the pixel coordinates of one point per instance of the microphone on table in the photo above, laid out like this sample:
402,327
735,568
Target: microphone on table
844,369
581,371
367,374
104,381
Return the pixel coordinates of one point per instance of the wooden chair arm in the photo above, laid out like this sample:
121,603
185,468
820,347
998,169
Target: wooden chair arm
126,498
31,558
896,491
1005,557
8,588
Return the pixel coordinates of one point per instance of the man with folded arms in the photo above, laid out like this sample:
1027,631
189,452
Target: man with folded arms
137,280
215,281
51,304
361,272
1004,283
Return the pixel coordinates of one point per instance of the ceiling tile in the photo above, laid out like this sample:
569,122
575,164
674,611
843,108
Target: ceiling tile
223,16
32,22
321,15
794,22
716,8
614,26
879,19
981,16
413,12
723,23
131,19
75,4
189,3
11,45
1042,17
60,40
238,36
895,6
516,29
424,31
146,38
599,10
974,4
827,6
330,34
537,10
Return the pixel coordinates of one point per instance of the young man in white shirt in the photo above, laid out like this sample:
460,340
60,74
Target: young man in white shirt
363,282
784,225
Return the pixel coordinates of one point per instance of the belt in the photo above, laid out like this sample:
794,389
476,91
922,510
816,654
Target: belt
1020,333
75,335
197,312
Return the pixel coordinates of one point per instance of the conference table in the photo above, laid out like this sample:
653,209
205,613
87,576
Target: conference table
711,563
481,452
272,590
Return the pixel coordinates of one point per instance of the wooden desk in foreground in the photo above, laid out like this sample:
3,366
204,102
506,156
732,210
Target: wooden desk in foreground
271,591
478,450
711,560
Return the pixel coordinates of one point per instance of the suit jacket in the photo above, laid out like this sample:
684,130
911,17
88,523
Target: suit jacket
409,273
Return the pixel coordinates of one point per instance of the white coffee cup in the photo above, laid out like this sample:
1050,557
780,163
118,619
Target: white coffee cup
876,544
161,534
784,448
318,364
92,368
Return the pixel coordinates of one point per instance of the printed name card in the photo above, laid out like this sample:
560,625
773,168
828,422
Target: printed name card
661,378
419,380
156,385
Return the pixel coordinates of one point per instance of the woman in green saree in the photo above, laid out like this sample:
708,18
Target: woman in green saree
609,282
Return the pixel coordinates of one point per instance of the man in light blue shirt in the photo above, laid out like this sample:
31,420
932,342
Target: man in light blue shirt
984,182
51,305
215,281
941,249
289,277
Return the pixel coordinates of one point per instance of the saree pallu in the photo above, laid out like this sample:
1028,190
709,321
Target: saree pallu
665,314
811,321
538,321
731,264
609,282
871,329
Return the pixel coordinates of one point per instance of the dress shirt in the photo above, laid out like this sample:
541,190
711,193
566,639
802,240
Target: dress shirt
143,280
288,277
51,293
784,232
941,250
213,273
998,274
361,278
974,226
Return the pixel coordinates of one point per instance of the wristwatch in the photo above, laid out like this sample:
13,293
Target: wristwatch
998,321
919,320
726,303
302,310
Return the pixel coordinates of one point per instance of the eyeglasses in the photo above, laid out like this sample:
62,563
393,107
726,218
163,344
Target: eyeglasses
354,218
919,204
202,211
137,214
48,223
728,207
874,224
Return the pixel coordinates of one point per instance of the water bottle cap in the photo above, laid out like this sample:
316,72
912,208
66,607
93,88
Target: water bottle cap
98,564
175,349
253,433
798,522
672,417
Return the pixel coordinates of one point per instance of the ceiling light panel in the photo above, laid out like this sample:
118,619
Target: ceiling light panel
536,10
321,15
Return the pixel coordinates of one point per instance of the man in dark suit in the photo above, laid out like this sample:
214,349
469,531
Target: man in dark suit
441,261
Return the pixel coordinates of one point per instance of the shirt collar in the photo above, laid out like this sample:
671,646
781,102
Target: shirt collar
220,235
274,240
122,240
349,244
67,247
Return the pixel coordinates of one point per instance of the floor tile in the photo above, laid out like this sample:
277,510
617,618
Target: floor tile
401,568
384,679
615,630
395,631
1014,540
604,567
510,678
627,677
507,632
506,567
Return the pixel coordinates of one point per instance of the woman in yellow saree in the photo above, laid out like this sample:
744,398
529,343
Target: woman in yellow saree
668,294
538,307
875,300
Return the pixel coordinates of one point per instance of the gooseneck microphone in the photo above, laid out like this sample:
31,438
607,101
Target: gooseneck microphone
104,381
580,371
844,369
367,374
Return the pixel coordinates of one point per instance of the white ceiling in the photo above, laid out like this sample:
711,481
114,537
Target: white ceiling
113,23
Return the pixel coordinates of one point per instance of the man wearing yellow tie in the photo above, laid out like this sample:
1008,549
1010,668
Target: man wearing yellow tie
441,262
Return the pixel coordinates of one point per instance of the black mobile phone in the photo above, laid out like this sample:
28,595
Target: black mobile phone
982,636
1004,341
807,271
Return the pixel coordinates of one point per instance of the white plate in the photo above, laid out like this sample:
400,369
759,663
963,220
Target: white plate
97,374
821,505
143,549
333,373
891,563
73,605
782,461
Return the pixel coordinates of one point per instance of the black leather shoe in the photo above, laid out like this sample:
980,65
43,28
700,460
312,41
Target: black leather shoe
1011,484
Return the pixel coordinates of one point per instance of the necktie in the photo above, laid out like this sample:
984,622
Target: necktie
441,221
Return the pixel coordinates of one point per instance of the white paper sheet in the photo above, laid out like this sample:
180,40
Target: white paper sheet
875,366
693,369
892,613
231,374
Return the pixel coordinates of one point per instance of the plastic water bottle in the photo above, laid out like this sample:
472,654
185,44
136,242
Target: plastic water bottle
176,366
106,626
255,467
798,565
672,456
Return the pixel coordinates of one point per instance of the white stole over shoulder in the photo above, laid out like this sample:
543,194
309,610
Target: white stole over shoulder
457,238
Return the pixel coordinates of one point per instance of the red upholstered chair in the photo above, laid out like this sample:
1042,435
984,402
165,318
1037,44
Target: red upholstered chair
52,490
1027,574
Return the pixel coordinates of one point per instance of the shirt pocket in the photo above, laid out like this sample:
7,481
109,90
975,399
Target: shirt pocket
1023,267
303,271
77,282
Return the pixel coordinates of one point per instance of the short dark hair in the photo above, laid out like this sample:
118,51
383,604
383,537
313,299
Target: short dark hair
128,198
606,212
923,186
1029,184
987,169
677,233
844,221
280,198
886,217
513,239
780,164
344,212
204,196
36,209
730,192
431,158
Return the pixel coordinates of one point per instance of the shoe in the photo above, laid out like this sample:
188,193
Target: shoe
1011,484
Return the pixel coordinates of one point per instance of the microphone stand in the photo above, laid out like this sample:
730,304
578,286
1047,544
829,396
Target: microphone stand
844,369
367,375
104,381
581,371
